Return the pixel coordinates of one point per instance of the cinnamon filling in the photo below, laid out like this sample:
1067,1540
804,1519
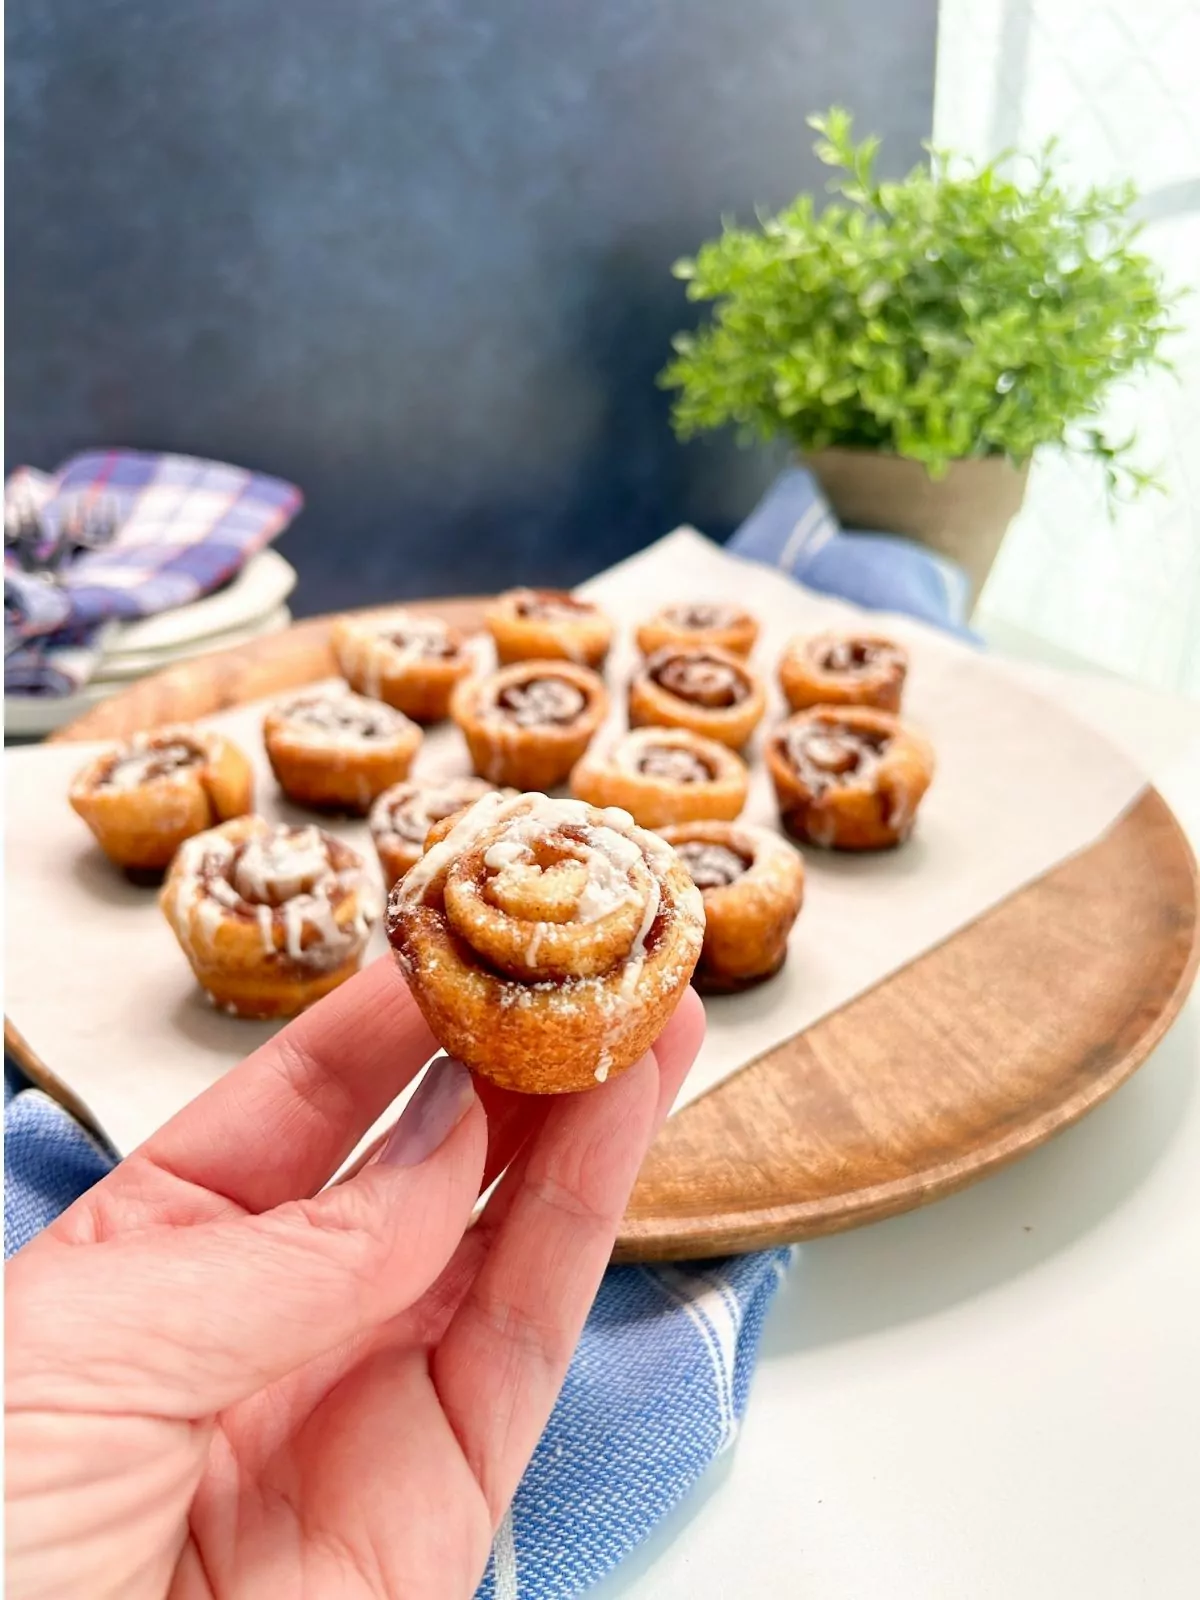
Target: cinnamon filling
154,761
674,764
854,655
412,819
550,605
701,616
702,681
712,866
335,714
829,753
541,702
429,640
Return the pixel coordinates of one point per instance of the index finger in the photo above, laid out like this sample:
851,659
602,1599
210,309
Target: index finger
501,1361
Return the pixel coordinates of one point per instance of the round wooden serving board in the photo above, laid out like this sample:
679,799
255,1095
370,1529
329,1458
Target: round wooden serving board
957,1065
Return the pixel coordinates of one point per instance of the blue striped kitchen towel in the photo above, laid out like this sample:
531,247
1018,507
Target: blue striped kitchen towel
793,527
181,528
661,1378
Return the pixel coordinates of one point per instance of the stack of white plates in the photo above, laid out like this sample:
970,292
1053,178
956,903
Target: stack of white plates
253,604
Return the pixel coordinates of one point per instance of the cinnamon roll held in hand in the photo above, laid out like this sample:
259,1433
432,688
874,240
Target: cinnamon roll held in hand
709,691
548,625
849,778
401,818
688,624
270,917
142,800
662,775
528,724
335,751
843,670
411,662
546,942
752,882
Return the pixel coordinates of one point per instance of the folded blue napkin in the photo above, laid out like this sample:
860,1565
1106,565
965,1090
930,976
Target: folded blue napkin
660,1381
117,534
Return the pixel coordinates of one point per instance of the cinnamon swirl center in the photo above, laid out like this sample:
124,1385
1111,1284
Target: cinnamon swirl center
700,616
343,717
541,702
550,605
701,680
422,638
829,753
155,759
712,866
855,656
674,764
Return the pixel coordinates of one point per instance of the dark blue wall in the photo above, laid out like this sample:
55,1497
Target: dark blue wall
412,254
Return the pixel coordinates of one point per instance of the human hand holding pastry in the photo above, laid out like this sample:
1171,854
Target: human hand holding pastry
225,1378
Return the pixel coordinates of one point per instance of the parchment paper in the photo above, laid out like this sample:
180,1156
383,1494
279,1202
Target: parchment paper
100,990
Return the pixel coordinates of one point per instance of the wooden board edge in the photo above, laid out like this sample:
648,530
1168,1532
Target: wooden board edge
695,1238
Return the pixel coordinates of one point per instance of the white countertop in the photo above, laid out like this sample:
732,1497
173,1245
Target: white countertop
996,1398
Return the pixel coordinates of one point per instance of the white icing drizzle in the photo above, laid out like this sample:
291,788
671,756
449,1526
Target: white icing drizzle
175,751
406,812
603,1065
701,615
613,848
279,877
419,637
342,718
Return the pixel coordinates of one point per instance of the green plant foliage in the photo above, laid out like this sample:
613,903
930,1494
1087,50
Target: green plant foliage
956,313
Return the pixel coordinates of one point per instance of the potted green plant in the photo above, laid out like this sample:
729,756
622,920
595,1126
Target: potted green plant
917,341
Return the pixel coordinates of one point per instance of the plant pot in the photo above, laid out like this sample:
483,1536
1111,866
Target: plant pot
963,516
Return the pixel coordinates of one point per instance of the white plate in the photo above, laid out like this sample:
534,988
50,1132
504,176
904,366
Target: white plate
259,589
35,716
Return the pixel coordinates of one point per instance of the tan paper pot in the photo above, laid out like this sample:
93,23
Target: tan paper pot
964,515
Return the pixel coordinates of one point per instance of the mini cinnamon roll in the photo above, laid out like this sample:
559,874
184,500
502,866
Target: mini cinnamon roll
270,917
142,800
707,622
662,775
709,691
414,663
546,942
335,751
402,816
835,669
528,724
753,887
548,625
848,777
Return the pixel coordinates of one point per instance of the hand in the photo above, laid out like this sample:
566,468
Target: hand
225,1379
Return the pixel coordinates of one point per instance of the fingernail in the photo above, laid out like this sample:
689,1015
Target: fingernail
442,1099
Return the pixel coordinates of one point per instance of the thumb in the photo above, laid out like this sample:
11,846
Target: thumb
184,1321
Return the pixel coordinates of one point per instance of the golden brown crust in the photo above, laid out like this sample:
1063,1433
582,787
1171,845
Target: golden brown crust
511,742
336,751
843,669
662,775
545,942
849,778
708,691
139,814
403,815
270,917
686,624
753,887
548,625
412,663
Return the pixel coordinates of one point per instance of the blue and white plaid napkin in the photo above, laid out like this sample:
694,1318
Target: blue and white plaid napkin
660,1381
183,528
